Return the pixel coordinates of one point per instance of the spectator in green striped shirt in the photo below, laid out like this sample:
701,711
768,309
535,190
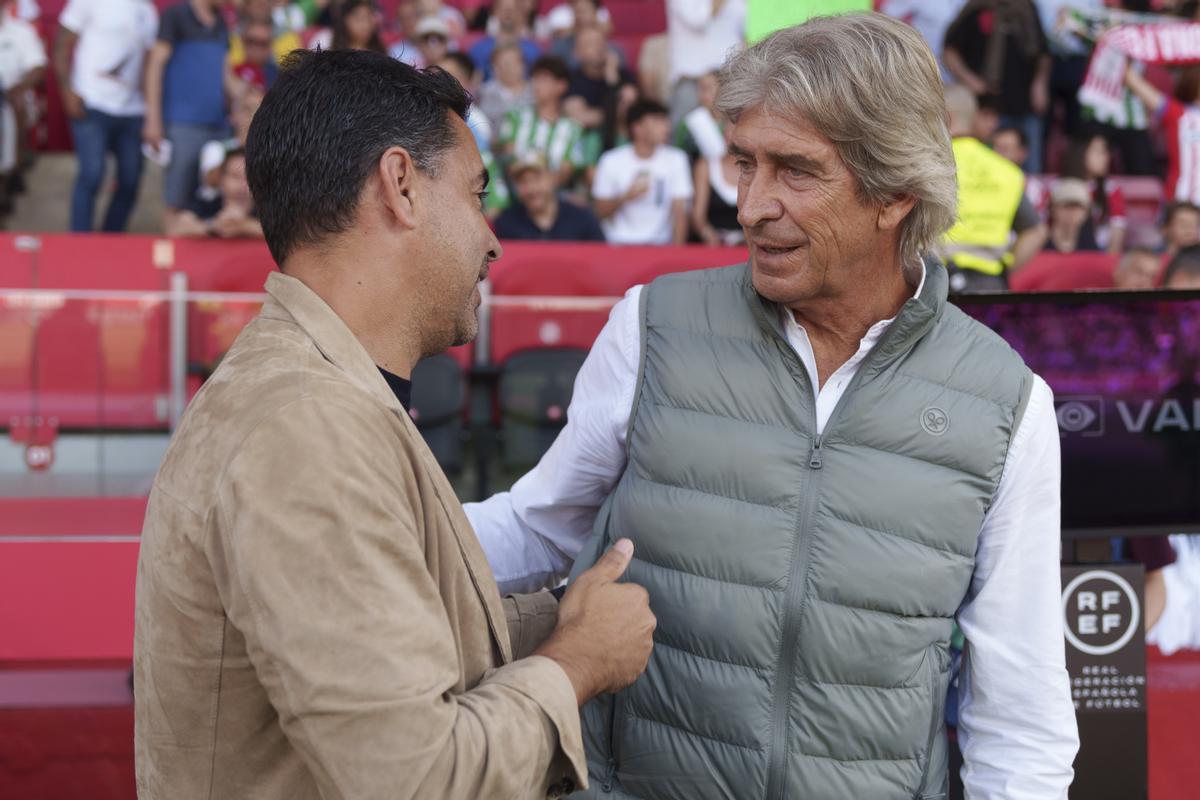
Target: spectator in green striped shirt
544,129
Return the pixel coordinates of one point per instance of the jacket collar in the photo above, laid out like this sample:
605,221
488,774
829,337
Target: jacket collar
291,300
291,297
915,318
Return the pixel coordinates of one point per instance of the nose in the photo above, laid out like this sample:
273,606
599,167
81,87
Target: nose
758,199
495,250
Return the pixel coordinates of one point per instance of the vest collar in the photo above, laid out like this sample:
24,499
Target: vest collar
915,318
292,298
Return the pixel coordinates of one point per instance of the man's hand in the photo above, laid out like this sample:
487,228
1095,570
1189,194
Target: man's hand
605,629
1039,97
152,132
73,104
229,222
641,185
612,68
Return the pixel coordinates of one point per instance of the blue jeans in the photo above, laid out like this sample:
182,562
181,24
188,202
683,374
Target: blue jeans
1032,126
97,135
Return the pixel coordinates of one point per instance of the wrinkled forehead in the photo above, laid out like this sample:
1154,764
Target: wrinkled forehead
763,132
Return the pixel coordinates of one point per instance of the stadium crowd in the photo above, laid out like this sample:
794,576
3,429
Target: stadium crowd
591,132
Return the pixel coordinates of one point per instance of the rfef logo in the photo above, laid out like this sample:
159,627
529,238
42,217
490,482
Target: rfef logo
1101,612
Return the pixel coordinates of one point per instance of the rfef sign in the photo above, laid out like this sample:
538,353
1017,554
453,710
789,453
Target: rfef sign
1106,661
1102,612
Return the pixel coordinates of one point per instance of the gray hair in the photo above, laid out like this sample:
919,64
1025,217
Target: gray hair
871,85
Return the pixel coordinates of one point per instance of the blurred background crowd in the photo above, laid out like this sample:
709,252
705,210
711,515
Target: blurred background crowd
596,118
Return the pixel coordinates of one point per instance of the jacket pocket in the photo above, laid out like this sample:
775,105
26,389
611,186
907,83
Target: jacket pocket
608,778
937,709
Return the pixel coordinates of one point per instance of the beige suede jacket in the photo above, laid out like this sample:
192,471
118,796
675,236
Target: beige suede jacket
315,617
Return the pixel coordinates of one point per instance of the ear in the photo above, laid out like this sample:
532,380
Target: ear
893,213
398,186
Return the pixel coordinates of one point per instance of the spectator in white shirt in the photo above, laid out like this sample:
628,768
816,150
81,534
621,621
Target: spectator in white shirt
98,57
22,67
701,34
642,189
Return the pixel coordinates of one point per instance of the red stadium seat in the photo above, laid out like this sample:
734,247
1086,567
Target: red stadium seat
514,329
101,363
1062,272
637,16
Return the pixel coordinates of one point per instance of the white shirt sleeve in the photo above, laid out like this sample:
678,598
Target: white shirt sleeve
76,15
1017,723
32,54
150,33
532,533
606,185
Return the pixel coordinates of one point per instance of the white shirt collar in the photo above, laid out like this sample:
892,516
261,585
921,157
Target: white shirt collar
791,326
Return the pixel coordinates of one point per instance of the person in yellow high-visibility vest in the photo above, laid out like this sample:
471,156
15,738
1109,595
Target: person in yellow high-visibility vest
980,251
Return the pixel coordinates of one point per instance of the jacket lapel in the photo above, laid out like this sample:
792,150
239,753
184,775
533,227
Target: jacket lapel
291,299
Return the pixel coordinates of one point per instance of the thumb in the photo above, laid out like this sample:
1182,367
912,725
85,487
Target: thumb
612,564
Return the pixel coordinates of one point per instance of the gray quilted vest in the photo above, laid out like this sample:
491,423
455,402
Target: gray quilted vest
805,586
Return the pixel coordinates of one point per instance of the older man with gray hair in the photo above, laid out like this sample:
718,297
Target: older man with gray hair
823,465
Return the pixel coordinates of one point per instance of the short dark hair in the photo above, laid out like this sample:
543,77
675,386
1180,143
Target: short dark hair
237,152
1022,139
322,128
1185,262
462,59
553,66
644,108
1175,207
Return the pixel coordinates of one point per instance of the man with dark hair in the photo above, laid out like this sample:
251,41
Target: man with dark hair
1181,227
544,128
315,617
642,188
1012,143
541,213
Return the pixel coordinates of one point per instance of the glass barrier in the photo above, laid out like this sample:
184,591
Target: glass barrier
92,382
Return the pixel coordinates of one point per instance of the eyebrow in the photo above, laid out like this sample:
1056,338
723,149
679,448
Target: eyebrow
791,159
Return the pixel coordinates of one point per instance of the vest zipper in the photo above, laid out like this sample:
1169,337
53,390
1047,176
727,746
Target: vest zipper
793,610
814,460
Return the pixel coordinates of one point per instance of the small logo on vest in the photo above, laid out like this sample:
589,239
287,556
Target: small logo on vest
935,421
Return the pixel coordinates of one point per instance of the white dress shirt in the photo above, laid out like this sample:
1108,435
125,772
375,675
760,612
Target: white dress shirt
1016,716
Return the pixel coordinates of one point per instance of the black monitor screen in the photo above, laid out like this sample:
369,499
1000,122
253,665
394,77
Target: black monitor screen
1125,370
